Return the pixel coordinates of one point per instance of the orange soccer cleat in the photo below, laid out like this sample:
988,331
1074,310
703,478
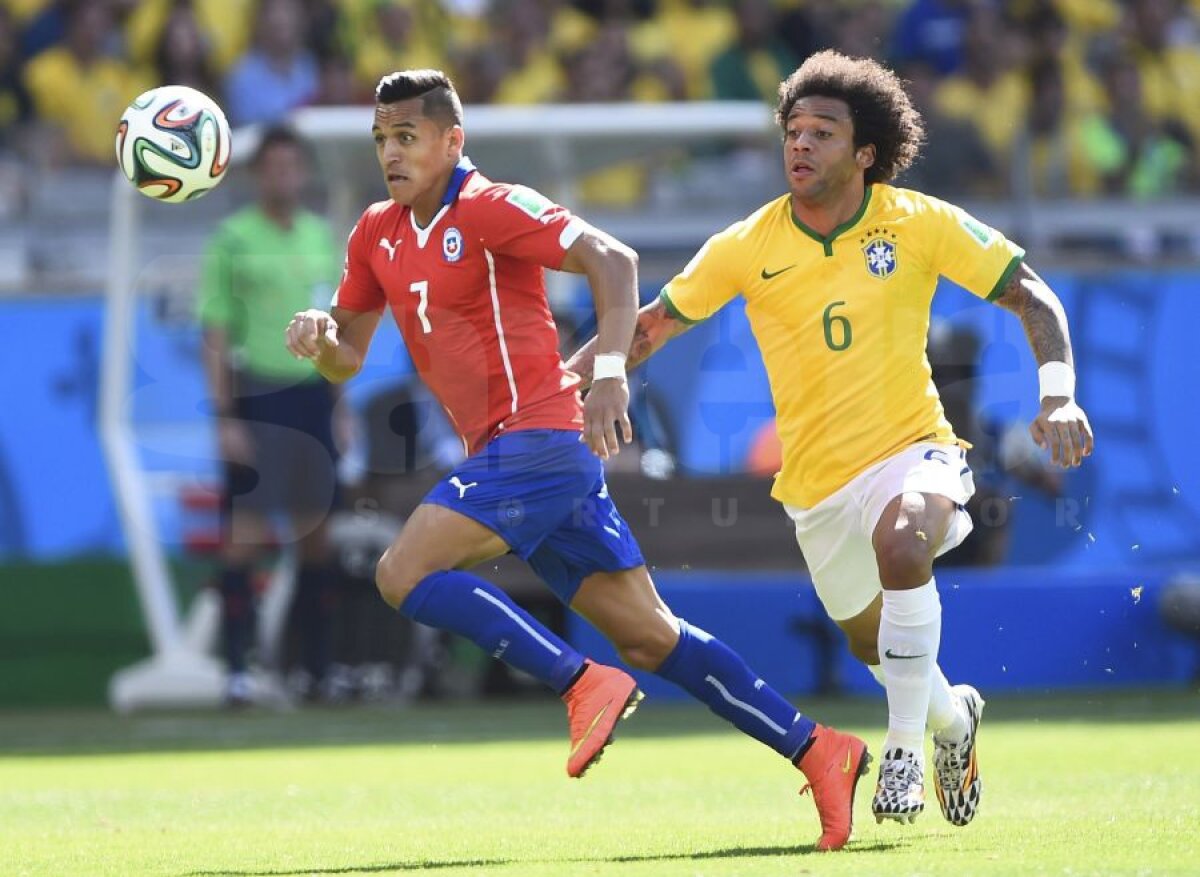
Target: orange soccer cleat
833,766
600,698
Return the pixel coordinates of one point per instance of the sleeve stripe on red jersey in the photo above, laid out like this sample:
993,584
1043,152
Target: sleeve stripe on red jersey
508,372
570,233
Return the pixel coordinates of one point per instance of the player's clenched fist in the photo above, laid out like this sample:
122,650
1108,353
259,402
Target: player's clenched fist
1062,428
310,333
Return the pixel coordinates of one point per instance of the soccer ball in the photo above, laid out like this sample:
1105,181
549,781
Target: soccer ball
173,143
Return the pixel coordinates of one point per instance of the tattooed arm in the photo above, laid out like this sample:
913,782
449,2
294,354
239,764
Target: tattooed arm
655,327
1041,313
1061,426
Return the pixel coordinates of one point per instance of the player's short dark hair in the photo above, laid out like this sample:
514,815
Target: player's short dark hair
439,100
882,114
279,135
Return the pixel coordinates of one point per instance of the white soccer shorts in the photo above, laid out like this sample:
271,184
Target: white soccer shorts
835,534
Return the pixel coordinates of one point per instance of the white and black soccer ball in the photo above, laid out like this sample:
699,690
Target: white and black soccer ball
173,143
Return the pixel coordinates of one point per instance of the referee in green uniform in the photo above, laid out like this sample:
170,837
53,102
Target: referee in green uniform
274,413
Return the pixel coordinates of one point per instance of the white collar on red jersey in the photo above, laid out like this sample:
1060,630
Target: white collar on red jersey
458,178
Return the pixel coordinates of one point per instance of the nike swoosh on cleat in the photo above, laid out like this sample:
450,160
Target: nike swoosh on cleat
888,654
849,758
767,275
591,728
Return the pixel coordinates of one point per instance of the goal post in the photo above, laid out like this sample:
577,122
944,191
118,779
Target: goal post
546,146
178,672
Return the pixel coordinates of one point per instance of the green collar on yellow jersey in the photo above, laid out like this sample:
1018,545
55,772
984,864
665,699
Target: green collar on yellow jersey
826,241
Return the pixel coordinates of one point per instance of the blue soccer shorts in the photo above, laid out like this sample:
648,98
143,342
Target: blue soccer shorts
543,492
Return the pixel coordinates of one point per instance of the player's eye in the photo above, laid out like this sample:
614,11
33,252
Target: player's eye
824,135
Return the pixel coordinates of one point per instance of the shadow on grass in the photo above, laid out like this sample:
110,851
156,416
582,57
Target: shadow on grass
97,732
424,865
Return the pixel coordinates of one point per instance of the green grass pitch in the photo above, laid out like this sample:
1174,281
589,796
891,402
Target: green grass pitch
1073,785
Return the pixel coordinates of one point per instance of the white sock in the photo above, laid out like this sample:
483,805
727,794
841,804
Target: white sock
945,718
910,629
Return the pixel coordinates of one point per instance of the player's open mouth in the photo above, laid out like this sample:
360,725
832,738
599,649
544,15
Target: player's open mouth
397,178
802,170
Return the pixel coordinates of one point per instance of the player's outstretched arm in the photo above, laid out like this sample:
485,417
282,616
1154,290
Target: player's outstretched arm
655,327
1061,426
337,342
611,269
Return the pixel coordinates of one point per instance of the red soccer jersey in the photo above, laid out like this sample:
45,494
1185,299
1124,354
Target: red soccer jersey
468,294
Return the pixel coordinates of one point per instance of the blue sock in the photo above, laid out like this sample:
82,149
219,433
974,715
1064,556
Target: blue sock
716,675
465,604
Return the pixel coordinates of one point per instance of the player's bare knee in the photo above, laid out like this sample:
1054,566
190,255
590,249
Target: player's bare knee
905,561
649,650
396,576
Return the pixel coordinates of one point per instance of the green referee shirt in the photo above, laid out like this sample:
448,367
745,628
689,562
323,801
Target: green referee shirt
255,275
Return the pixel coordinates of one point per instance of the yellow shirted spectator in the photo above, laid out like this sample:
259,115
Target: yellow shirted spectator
393,39
24,10
226,23
537,81
756,58
79,90
1171,85
622,185
692,33
993,107
988,92
1090,17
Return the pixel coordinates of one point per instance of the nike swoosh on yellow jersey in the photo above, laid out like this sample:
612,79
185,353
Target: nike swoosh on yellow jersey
767,275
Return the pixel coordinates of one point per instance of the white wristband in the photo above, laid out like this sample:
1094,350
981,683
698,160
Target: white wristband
1056,379
608,365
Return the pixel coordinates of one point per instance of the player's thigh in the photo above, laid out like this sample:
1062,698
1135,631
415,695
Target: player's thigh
626,607
434,538
839,555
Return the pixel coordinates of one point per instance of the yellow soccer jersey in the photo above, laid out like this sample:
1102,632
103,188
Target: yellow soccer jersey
841,322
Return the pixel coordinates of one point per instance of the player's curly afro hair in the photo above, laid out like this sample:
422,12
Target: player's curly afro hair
879,107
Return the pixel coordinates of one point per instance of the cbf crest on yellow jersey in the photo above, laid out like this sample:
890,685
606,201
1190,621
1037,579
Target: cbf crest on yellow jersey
841,321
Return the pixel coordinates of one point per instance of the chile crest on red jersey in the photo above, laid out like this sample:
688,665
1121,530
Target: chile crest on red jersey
452,244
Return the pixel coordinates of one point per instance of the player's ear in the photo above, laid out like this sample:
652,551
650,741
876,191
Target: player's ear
864,156
457,139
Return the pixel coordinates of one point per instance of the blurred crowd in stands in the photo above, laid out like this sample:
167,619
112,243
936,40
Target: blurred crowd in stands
1084,97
